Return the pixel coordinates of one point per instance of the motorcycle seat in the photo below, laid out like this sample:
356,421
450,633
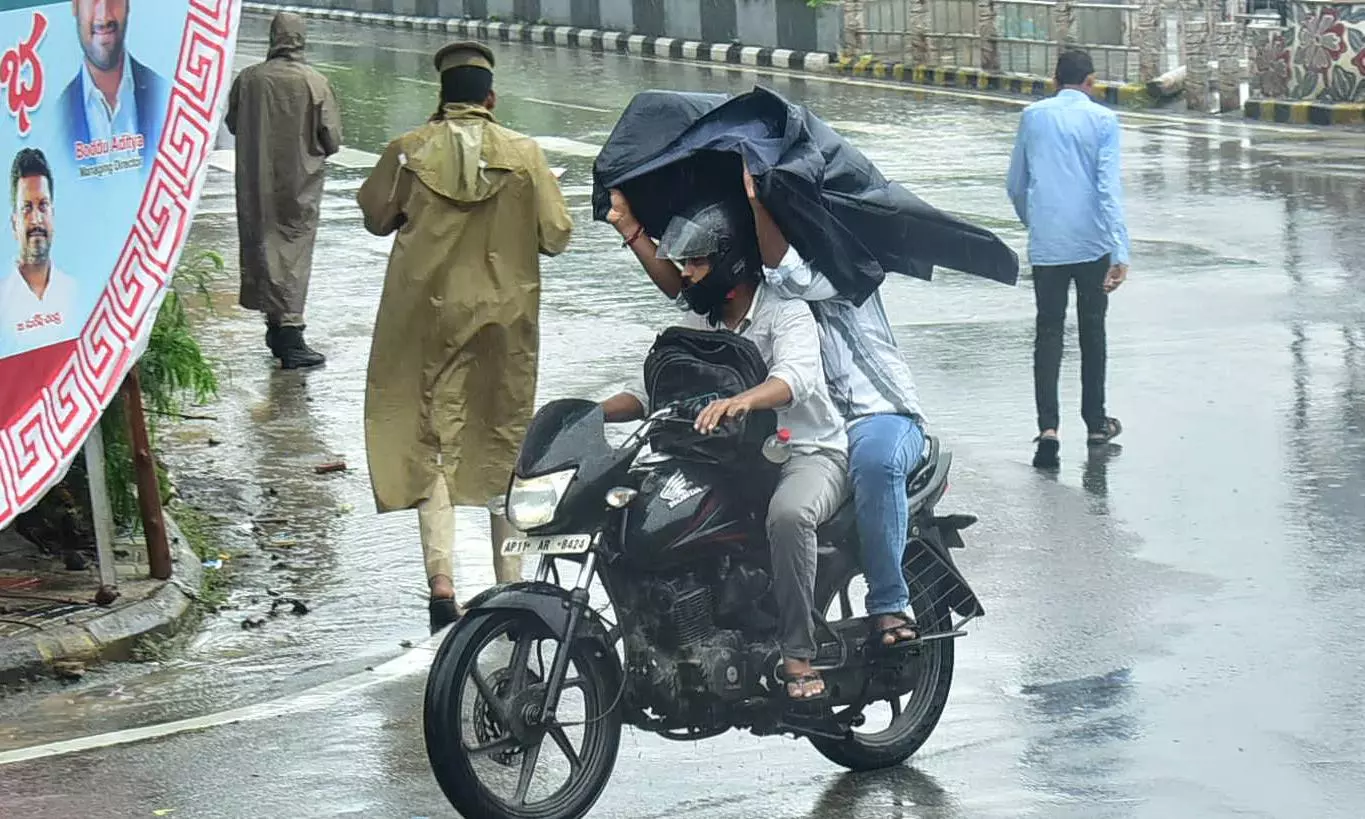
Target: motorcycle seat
841,530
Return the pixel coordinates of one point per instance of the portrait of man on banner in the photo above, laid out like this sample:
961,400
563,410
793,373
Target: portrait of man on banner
36,298
112,110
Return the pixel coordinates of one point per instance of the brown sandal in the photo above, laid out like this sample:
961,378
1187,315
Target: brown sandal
904,623
798,685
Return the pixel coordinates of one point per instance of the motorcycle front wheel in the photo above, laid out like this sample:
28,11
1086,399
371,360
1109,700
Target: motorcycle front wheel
491,753
895,728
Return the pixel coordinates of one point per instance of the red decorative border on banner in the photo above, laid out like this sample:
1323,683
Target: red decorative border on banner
40,439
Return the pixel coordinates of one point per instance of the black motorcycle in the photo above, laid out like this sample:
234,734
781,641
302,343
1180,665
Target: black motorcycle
527,694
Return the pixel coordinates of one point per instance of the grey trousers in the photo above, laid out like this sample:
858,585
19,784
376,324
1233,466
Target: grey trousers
809,492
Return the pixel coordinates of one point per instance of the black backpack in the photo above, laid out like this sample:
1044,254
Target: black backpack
694,368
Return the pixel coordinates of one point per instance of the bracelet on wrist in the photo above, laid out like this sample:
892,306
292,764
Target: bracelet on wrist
639,231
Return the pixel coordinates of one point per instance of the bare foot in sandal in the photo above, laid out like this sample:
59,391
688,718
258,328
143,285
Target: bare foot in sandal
803,681
894,629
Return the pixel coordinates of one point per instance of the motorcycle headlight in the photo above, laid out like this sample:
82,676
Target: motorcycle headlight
532,501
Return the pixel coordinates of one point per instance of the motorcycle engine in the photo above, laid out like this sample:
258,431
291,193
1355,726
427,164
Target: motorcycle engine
684,663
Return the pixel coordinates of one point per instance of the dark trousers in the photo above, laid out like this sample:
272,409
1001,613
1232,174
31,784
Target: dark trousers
1051,287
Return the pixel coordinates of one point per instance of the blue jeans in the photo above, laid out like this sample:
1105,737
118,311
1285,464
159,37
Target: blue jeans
882,451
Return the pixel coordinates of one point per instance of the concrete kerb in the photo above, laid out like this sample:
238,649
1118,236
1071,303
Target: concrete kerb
113,634
1117,94
615,41
1123,95
1305,113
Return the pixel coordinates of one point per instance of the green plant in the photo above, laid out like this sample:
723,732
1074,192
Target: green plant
172,370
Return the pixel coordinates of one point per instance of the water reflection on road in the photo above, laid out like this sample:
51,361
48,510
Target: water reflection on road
1177,612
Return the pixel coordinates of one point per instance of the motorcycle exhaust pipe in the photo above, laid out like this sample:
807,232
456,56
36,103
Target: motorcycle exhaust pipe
505,569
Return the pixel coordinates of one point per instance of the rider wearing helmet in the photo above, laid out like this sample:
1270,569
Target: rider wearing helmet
709,253
717,237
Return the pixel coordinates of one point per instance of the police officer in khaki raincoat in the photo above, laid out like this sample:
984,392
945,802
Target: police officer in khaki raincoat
286,120
452,375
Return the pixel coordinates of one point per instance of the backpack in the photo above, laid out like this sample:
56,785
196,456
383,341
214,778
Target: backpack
694,368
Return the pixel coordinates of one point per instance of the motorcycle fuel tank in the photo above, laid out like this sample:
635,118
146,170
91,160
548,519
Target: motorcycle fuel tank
683,509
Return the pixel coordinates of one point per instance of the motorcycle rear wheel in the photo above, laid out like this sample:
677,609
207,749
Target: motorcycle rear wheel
913,719
457,703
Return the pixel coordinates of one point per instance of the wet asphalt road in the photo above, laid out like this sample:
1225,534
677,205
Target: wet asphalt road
1171,625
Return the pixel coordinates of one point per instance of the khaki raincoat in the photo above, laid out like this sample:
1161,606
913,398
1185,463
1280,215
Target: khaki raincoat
452,376
286,121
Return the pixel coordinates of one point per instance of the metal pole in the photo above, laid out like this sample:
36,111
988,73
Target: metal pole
100,510
148,488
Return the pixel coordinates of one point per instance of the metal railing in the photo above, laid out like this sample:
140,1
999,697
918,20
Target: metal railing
1016,36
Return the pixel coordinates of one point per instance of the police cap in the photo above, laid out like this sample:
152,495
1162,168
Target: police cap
464,53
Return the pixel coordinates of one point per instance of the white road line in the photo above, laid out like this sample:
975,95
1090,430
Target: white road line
225,159
412,662
571,147
574,106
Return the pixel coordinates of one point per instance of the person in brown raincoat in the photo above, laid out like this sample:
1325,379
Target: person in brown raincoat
286,121
452,374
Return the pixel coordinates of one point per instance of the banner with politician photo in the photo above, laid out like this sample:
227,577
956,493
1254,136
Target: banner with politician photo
112,107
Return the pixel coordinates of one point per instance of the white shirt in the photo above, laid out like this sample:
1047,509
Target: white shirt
785,334
106,123
863,365
28,322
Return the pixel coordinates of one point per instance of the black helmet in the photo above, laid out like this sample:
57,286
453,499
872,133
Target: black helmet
723,234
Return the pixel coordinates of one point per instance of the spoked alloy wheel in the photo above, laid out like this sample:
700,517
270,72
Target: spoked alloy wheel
896,727
492,753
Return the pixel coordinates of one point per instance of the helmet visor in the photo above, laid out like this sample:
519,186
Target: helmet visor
685,239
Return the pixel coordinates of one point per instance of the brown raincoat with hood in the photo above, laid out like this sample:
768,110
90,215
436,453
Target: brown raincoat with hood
452,376
286,121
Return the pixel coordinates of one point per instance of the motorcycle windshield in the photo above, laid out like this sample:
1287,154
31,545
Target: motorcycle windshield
564,434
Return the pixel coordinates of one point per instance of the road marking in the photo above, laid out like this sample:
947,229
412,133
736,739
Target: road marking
572,105
416,661
225,159
571,147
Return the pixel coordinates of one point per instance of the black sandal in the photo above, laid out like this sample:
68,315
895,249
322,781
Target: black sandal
880,633
1112,428
1046,455
443,612
801,681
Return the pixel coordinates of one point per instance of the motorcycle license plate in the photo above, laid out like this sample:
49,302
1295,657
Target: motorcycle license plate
551,545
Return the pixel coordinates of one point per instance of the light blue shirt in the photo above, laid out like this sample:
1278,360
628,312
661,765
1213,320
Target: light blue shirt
106,123
1065,182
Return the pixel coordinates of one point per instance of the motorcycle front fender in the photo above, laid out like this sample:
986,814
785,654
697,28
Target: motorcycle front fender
548,603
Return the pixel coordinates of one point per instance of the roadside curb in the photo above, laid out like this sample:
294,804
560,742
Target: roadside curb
1305,113
113,634
595,39
1117,94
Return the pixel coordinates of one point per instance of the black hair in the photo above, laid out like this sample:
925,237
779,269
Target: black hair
28,162
1073,66
469,84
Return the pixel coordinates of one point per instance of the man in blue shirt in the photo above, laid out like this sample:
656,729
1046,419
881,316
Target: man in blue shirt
114,101
1065,183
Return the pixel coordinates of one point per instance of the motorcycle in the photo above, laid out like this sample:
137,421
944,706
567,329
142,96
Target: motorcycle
685,646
